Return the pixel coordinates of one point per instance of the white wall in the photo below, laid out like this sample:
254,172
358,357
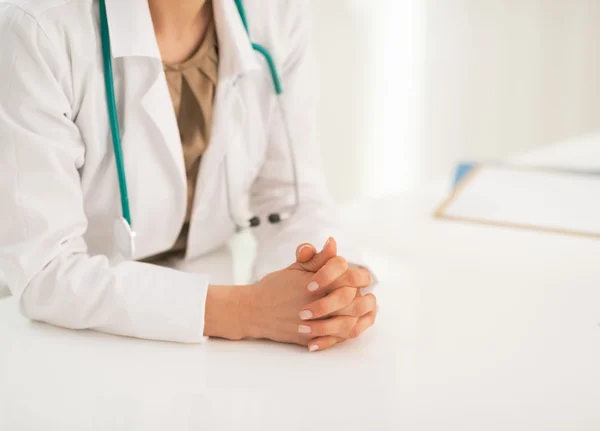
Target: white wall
367,50
408,87
506,75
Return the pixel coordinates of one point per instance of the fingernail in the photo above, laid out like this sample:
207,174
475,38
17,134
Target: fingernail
313,285
313,348
303,329
303,247
305,314
327,242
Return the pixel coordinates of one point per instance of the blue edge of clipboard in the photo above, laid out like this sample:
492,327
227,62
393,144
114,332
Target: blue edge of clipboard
463,169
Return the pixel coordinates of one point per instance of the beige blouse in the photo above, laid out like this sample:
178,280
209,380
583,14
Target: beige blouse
192,87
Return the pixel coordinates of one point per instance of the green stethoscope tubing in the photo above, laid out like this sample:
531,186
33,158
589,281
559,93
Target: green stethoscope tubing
112,112
261,49
112,105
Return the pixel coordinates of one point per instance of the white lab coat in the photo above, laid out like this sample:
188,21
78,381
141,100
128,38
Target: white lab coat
59,193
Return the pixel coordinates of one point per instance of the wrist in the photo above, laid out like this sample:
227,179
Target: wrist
229,312
253,327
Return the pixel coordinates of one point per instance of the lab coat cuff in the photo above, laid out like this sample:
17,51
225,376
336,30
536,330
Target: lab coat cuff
160,304
186,311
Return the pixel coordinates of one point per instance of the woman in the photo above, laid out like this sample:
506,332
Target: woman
184,74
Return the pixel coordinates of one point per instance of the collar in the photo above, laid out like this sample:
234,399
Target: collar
132,35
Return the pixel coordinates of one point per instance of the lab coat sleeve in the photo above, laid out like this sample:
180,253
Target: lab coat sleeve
316,218
43,255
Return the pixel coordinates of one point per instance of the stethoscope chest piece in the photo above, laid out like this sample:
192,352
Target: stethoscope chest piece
124,238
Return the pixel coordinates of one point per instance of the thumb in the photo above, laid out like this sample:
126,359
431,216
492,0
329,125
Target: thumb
305,252
311,261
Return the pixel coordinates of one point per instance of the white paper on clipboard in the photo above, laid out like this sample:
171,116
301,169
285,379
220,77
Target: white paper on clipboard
554,201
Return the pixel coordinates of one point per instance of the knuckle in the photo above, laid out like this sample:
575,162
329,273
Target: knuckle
361,308
323,276
348,324
370,302
319,308
352,277
324,329
366,276
347,295
340,262
370,320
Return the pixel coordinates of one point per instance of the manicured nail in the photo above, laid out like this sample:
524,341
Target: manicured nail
313,348
302,248
305,314
313,285
303,329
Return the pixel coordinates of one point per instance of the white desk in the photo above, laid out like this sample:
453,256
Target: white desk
508,321
480,328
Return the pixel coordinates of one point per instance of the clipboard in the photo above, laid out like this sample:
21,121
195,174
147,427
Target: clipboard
551,200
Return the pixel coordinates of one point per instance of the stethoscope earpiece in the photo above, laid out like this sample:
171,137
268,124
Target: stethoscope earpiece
274,218
279,217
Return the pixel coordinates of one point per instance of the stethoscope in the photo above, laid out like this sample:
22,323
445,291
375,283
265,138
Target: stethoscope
123,230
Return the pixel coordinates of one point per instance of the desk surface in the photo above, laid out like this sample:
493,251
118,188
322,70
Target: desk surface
480,328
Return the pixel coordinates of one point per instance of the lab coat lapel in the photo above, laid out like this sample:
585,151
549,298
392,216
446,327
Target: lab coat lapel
131,29
134,41
132,35
159,107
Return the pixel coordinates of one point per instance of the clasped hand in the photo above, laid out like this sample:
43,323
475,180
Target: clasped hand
315,302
